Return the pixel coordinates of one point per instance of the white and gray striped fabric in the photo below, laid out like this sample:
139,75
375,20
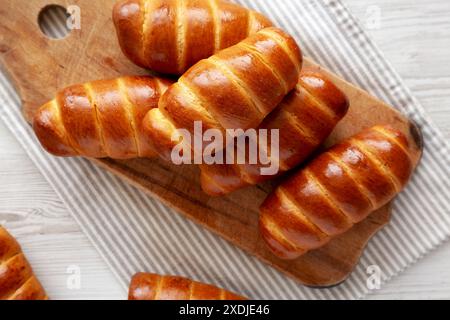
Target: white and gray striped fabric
136,233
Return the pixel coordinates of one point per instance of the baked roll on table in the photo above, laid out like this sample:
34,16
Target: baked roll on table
100,119
148,286
235,89
170,36
17,280
335,191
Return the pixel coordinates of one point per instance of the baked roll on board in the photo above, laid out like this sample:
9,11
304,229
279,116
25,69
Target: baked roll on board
338,189
100,119
17,280
234,89
170,36
148,286
305,118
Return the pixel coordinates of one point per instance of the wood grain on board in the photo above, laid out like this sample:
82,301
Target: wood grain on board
40,66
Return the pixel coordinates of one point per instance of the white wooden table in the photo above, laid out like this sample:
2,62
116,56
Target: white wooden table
414,37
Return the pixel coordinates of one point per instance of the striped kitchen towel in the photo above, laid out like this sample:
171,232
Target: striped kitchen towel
136,233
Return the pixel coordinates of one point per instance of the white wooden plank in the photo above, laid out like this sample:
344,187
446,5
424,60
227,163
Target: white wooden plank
50,238
414,37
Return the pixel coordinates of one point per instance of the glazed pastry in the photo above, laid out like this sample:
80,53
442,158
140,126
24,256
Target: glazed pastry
335,191
170,36
147,286
17,280
305,118
234,89
100,119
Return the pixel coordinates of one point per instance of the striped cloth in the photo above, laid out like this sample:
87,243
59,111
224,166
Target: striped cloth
136,233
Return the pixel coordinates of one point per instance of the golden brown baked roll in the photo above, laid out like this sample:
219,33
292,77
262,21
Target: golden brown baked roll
305,118
169,36
147,286
335,191
100,119
17,280
234,89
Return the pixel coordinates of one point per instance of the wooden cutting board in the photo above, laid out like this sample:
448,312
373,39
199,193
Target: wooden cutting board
40,66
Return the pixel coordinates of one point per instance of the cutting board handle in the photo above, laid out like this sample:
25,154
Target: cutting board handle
39,65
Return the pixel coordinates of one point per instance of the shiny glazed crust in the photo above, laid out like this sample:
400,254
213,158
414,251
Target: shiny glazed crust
336,190
17,280
305,118
147,286
100,119
234,89
170,36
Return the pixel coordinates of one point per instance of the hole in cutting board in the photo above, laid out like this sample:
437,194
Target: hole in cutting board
53,21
